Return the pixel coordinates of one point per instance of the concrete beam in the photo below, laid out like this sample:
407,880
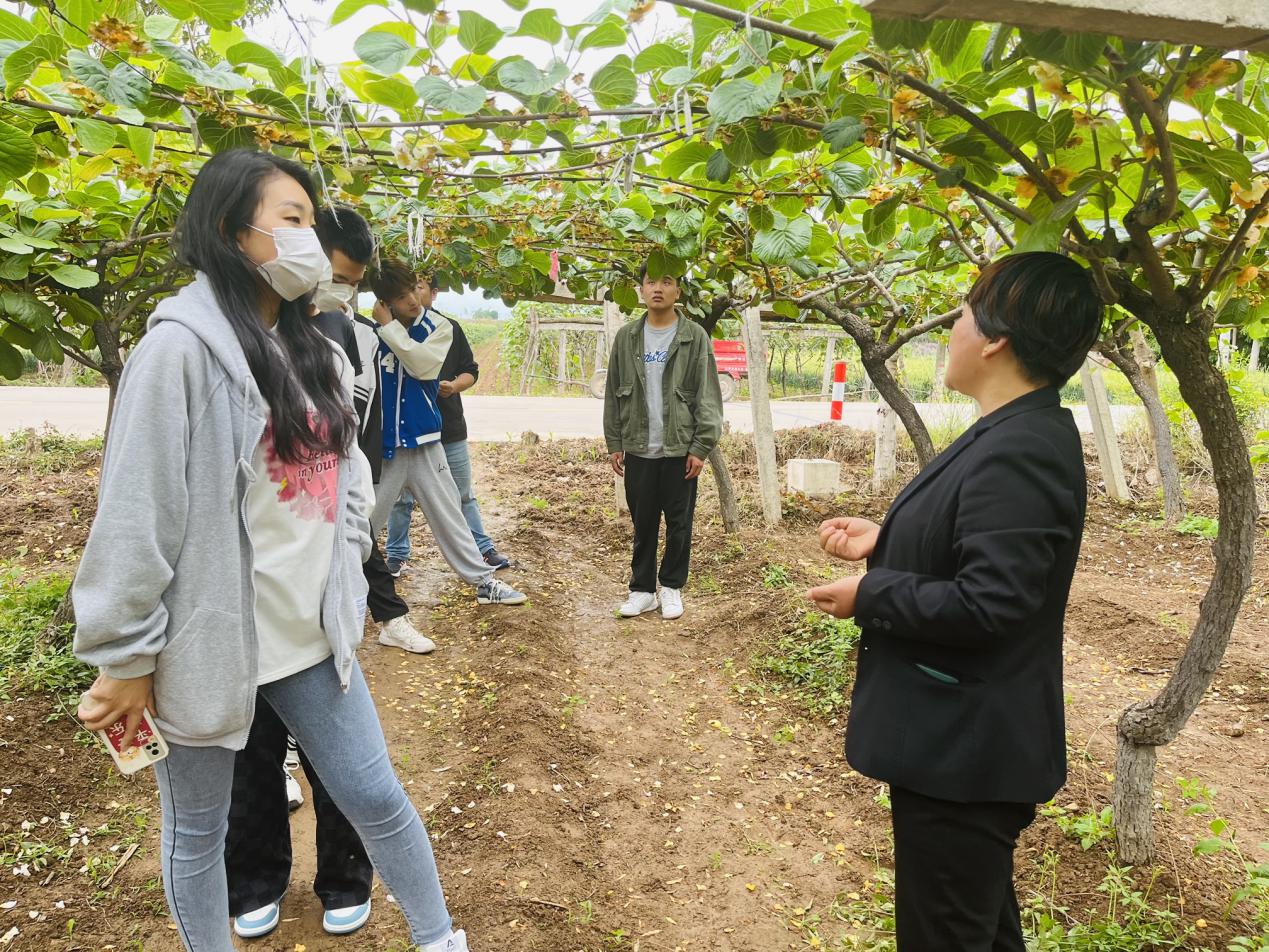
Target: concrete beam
1225,24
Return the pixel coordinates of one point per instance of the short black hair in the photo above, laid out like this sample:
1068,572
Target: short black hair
1047,306
341,228
393,279
643,273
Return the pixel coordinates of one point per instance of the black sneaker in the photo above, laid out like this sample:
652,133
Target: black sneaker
496,560
395,566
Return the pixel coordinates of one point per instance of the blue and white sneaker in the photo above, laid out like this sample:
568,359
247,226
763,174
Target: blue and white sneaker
346,920
497,592
454,942
260,922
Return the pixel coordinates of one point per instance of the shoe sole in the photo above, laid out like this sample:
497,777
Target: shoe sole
637,614
480,600
349,928
257,932
393,644
671,617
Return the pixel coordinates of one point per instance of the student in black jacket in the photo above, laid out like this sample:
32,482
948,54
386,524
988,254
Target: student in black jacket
958,692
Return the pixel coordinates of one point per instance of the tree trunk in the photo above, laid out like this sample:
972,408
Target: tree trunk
894,395
727,503
1145,385
107,336
61,627
1149,724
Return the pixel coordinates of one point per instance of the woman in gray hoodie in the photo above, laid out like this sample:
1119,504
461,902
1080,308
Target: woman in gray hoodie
225,558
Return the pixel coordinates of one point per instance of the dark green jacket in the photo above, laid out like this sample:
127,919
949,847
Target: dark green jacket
692,400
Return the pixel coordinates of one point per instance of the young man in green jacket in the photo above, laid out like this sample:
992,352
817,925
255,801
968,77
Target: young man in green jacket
663,414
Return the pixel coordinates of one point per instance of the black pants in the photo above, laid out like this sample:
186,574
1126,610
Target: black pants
258,844
383,601
653,487
954,873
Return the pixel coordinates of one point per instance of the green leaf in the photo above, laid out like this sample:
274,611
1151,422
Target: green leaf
477,34
95,135
611,32
740,99
891,34
121,85
219,13
348,7
749,142
141,141
27,308
845,178
1056,131
879,221
1196,156
785,240
1019,126
12,365
680,222
73,276
659,56
542,25
705,27
384,52
718,167
17,153
948,37
677,163
509,256
1050,221
254,53
841,134
277,103
160,26
614,85
660,263
222,138
1240,118
844,51
1207,847
463,100
80,311
21,63
830,22
13,27
392,92
522,77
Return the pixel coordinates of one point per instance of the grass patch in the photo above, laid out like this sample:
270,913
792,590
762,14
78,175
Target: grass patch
813,660
1202,526
31,658
46,451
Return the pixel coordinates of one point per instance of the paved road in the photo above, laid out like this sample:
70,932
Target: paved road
81,411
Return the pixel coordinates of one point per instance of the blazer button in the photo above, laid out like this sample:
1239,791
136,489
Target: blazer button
887,626
876,622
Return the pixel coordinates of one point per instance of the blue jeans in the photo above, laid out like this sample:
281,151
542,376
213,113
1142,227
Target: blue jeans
340,732
398,546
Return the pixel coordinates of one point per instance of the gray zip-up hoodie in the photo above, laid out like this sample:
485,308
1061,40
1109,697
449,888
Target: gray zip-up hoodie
165,582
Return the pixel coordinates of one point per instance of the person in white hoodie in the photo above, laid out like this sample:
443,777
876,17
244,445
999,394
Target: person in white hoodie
224,562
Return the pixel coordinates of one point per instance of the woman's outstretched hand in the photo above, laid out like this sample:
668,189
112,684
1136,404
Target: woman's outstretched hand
849,538
837,598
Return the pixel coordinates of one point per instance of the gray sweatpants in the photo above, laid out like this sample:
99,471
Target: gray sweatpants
424,471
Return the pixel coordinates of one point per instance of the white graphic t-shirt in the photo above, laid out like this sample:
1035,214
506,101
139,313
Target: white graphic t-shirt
656,351
291,517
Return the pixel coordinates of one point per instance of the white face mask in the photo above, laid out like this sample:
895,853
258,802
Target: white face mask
333,296
300,265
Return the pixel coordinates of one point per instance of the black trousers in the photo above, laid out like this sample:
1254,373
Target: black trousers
655,487
954,873
258,844
383,601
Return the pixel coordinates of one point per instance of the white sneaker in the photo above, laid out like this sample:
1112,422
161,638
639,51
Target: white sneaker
260,922
399,633
294,795
637,604
671,603
454,942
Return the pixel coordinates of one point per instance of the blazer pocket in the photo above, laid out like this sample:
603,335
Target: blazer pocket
201,677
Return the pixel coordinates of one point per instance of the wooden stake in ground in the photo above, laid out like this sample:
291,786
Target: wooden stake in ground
760,406
830,350
1104,432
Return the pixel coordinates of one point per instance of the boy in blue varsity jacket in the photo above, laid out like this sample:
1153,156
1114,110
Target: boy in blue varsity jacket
413,342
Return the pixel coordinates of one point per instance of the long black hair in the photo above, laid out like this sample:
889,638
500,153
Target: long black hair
222,202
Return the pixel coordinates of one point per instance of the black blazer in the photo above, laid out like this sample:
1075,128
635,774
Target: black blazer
958,691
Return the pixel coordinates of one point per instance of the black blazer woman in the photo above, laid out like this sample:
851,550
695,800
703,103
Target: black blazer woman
958,694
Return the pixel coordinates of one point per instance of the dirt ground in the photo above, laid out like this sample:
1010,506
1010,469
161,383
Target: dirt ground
593,783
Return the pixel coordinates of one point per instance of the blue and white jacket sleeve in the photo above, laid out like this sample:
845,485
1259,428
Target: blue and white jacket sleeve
422,360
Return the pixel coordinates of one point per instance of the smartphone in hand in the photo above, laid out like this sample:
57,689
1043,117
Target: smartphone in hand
148,748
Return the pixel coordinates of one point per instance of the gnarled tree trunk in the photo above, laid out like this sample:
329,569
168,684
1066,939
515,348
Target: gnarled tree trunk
1145,726
1146,386
727,503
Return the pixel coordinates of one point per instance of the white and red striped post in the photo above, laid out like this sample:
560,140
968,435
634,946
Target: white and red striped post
839,389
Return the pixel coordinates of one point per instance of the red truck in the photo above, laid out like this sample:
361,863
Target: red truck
732,363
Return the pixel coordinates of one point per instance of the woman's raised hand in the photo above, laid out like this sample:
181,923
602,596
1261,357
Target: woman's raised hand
849,538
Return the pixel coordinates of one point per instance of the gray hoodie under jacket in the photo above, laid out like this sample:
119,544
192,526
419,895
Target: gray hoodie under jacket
165,583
